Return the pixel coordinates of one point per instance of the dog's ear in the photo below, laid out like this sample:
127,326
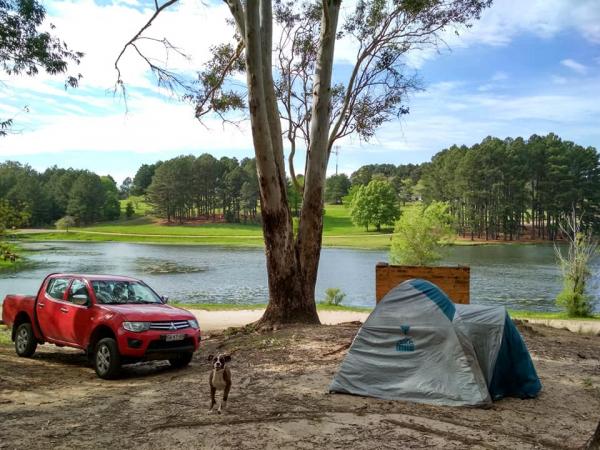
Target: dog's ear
210,357
227,358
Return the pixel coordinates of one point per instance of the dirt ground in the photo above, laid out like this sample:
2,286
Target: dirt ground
279,400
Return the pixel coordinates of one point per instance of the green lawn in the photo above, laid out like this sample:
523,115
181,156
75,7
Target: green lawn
338,232
139,204
520,314
21,262
5,335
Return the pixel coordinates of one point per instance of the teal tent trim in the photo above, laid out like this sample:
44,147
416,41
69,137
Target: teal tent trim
514,373
436,295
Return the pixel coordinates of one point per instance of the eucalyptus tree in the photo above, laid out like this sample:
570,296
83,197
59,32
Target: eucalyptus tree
26,49
316,111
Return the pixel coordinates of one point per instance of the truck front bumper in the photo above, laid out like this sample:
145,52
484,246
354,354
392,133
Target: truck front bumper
155,344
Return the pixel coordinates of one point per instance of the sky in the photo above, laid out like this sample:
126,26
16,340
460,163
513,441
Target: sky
523,68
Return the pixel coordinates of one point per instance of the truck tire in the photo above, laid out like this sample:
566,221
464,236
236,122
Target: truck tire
181,360
25,341
107,360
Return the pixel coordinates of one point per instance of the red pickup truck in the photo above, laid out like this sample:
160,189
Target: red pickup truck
115,320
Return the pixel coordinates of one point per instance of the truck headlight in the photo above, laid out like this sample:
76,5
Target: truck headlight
136,327
194,324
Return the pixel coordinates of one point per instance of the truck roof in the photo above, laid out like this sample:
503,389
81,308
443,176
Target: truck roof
93,277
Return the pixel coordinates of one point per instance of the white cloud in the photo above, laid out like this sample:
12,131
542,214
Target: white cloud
557,79
449,112
500,76
151,126
575,66
434,124
506,19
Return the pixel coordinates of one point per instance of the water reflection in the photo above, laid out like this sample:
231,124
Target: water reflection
518,276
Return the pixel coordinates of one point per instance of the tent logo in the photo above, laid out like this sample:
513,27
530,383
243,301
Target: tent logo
405,344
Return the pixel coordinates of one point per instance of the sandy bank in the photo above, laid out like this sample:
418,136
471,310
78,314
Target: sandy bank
219,320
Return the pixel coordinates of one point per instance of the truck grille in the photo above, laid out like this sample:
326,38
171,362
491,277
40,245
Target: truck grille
186,344
170,325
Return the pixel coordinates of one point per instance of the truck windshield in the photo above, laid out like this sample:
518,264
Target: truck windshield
110,292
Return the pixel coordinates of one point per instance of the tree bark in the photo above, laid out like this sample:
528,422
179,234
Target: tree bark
291,297
310,230
594,442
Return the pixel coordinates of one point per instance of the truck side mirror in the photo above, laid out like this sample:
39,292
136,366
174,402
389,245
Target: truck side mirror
165,299
80,299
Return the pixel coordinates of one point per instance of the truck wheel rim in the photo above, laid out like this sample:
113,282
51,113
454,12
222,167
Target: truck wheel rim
103,359
22,339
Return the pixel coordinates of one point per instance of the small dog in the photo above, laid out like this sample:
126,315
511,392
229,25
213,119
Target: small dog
220,379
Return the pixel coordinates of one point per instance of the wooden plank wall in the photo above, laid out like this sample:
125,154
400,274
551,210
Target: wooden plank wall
454,281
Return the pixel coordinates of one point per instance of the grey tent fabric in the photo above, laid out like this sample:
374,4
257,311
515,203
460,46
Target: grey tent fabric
410,349
417,345
484,326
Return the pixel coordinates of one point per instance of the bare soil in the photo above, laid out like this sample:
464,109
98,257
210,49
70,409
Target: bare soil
279,400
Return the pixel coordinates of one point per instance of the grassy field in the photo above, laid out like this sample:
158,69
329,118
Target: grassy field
338,231
5,335
520,314
7,266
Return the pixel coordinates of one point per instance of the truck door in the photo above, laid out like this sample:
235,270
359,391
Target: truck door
49,304
74,321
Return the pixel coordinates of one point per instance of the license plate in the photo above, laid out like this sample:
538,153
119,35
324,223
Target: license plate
174,337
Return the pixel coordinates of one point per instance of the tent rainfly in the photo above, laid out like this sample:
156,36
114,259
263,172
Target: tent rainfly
419,346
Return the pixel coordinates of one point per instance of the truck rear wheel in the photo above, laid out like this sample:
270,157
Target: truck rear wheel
25,341
181,360
107,360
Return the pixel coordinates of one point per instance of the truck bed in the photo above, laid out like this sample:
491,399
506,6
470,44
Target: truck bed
13,304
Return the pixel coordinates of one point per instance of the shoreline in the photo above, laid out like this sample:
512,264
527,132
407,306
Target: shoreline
219,320
366,241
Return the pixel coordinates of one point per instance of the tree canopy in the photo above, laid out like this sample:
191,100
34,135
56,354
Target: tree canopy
25,49
295,97
375,204
45,197
420,233
187,187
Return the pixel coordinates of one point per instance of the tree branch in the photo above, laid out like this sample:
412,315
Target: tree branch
131,42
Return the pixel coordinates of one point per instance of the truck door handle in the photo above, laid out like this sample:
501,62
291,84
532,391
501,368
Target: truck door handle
63,309
40,305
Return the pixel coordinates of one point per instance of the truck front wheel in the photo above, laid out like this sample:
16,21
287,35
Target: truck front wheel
25,342
107,360
181,360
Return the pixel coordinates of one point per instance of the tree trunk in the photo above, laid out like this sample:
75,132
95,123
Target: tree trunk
291,265
290,297
310,230
594,442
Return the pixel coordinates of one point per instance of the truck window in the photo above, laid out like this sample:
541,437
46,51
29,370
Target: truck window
57,287
78,293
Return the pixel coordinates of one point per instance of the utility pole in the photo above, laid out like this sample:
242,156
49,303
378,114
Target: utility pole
336,150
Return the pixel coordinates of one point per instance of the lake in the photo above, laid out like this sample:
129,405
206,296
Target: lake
517,276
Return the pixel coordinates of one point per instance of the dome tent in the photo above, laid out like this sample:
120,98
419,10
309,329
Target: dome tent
417,345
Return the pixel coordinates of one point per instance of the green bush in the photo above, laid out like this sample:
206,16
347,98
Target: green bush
334,296
420,234
375,203
129,210
575,268
65,223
